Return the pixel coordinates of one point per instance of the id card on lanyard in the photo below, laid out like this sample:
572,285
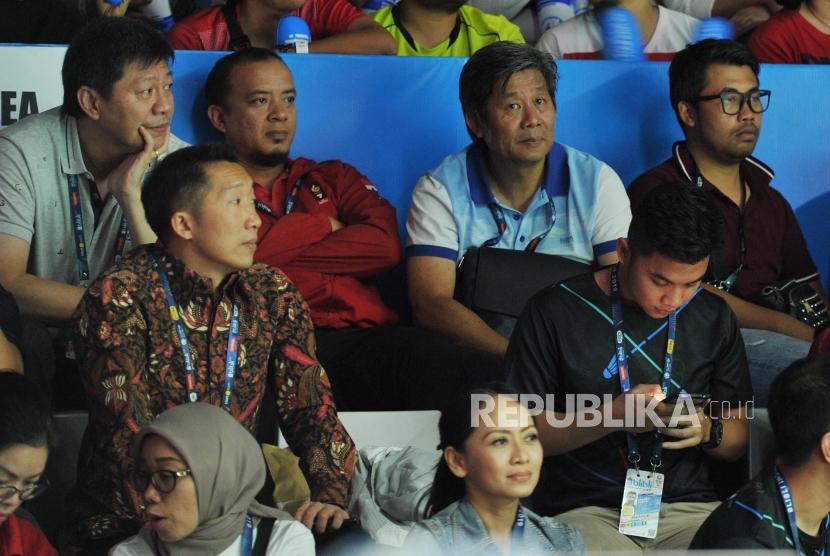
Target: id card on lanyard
78,230
643,491
231,354
789,505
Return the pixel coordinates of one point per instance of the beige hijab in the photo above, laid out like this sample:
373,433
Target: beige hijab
228,469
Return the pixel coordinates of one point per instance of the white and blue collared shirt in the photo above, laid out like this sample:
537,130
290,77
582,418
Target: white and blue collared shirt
451,212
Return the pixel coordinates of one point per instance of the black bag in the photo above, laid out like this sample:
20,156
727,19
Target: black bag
496,283
797,299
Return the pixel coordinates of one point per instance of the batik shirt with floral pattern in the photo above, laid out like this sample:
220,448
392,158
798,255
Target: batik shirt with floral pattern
132,368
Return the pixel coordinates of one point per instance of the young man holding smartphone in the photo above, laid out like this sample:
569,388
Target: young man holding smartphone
636,333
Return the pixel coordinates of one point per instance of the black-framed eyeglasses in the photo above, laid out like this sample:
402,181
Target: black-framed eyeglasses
7,491
163,480
732,102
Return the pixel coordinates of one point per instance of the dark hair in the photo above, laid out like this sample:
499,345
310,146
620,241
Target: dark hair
677,220
24,413
798,408
492,66
102,50
218,84
687,72
179,182
791,4
455,427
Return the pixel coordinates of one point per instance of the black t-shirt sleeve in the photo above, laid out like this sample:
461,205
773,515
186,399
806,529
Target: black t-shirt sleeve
10,319
727,527
532,359
730,379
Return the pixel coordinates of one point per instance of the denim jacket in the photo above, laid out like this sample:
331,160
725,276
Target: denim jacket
458,530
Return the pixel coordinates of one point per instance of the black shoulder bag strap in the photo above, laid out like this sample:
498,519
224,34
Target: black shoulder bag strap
263,535
718,273
239,40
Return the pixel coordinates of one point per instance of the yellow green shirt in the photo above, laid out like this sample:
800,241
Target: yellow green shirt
473,30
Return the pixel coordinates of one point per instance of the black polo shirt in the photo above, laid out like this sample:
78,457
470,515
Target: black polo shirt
775,247
755,517
563,345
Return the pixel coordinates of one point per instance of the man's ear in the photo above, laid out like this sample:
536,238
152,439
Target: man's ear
623,250
824,446
687,113
90,101
474,125
182,224
216,117
456,462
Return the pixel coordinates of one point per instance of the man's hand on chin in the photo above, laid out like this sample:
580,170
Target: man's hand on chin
124,182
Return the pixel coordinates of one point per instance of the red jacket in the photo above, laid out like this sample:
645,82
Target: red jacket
334,271
18,537
207,29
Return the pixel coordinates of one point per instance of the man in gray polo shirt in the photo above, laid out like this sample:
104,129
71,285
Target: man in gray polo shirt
70,178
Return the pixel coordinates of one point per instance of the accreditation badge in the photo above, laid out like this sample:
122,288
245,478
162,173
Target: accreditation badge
641,503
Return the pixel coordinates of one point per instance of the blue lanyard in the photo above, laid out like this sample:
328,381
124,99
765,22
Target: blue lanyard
231,354
247,545
501,225
789,505
622,366
290,201
78,228
518,529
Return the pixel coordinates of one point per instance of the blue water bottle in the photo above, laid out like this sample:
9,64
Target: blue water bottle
293,35
714,28
621,36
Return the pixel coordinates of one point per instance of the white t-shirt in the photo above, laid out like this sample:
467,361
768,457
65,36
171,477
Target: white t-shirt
701,9
287,537
581,37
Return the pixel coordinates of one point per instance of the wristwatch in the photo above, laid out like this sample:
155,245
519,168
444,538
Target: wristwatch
715,433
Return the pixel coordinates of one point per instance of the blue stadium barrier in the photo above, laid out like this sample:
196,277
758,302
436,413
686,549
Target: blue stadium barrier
393,118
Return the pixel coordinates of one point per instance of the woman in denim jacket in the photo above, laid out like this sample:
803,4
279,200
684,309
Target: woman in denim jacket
485,470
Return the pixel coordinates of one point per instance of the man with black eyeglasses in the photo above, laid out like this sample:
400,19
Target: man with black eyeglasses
719,104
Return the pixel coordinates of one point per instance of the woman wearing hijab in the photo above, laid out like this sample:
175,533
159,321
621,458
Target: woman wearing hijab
197,471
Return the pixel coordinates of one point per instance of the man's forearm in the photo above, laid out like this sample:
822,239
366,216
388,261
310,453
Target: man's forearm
735,437
558,440
359,41
47,300
750,315
728,8
140,230
449,317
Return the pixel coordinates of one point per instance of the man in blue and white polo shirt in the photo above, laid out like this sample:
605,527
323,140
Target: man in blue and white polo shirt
513,188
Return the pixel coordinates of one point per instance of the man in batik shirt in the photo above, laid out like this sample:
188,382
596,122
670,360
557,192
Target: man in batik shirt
243,325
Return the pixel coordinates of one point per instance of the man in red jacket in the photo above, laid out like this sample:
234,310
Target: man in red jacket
325,225
336,27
